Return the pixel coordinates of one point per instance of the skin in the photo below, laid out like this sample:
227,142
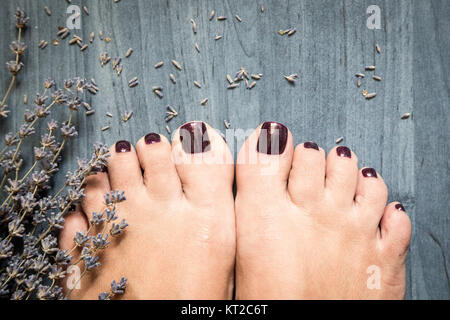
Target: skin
302,226
313,226
181,231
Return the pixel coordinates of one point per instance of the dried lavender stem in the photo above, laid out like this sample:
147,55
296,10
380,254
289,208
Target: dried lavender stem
76,283
29,126
13,79
64,140
35,162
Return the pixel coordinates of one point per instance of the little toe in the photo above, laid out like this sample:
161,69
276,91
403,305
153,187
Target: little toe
395,231
307,177
341,176
265,159
371,195
160,175
204,163
124,169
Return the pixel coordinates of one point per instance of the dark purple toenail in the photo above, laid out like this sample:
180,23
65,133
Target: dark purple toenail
152,138
194,137
272,139
123,146
369,173
344,152
400,207
103,169
311,145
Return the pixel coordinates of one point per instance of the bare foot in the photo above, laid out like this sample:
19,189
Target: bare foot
180,243
310,227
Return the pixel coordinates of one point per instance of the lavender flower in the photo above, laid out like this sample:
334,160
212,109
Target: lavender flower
21,20
31,212
4,111
17,47
14,67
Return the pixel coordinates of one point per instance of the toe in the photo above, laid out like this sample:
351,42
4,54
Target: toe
75,221
395,230
341,176
97,186
307,177
371,195
160,175
204,163
124,169
265,159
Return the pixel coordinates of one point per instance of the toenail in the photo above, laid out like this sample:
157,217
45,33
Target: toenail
400,207
103,169
194,137
311,145
369,173
123,146
272,139
152,138
344,152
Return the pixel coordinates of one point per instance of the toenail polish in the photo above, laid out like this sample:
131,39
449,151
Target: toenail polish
400,207
344,152
272,139
123,146
311,145
103,169
369,173
152,138
194,137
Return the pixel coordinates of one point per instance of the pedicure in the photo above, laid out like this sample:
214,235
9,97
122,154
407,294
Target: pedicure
194,137
311,145
344,152
103,169
123,146
400,207
152,138
369,173
272,139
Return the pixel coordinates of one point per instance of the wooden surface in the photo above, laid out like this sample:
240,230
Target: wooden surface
332,43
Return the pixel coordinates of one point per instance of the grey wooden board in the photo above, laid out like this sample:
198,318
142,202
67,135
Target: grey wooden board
332,43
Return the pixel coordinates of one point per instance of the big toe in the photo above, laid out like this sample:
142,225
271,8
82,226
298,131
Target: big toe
204,164
264,161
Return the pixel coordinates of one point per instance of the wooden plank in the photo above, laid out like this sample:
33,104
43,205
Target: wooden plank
430,262
331,44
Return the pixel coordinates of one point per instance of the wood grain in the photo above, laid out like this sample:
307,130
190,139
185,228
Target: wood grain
331,44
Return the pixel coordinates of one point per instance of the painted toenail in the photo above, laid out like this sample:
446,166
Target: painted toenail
194,137
311,145
344,152
272,139
400,207
103,169
152,138
123,146
369,173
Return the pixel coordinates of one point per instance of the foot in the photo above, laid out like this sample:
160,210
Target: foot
310,227
180,242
